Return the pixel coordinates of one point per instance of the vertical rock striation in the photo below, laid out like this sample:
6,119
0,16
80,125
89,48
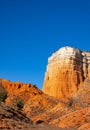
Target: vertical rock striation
66,70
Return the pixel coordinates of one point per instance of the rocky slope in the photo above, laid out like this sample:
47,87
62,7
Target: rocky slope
11,118
35,113
66,71
43,112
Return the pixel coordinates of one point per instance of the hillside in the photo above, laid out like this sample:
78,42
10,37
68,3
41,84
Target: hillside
40,109
64,103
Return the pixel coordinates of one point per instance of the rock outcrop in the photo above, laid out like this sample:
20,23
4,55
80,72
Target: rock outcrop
15,88
66,71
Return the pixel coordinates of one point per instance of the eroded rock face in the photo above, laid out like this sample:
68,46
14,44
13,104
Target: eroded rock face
66,71
15,88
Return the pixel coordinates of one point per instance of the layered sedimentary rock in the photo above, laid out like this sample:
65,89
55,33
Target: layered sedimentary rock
15,88
66,71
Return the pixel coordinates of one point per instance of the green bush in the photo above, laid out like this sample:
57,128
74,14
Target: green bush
20,104
70,103
3,95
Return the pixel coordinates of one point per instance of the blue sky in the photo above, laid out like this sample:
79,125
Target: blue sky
31,30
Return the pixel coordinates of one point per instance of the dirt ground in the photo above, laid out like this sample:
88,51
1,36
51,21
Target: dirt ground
45,127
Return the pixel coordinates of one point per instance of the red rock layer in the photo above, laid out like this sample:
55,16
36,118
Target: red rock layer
16,88
66,70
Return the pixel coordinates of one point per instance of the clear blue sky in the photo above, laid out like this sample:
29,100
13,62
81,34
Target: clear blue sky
31,30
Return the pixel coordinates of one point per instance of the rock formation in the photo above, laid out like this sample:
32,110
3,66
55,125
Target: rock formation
40,111
66,71
15,88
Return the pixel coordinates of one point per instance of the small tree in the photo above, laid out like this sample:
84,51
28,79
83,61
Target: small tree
3,95
20,104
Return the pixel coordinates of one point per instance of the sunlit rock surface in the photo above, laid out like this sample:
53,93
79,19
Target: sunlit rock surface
66,71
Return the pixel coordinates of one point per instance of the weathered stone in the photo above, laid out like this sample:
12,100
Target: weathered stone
66,70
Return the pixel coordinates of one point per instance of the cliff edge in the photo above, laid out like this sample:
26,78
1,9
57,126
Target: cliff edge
66,71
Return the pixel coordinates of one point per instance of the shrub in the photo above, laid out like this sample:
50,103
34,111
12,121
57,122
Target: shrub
20,104
3,95
70,103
